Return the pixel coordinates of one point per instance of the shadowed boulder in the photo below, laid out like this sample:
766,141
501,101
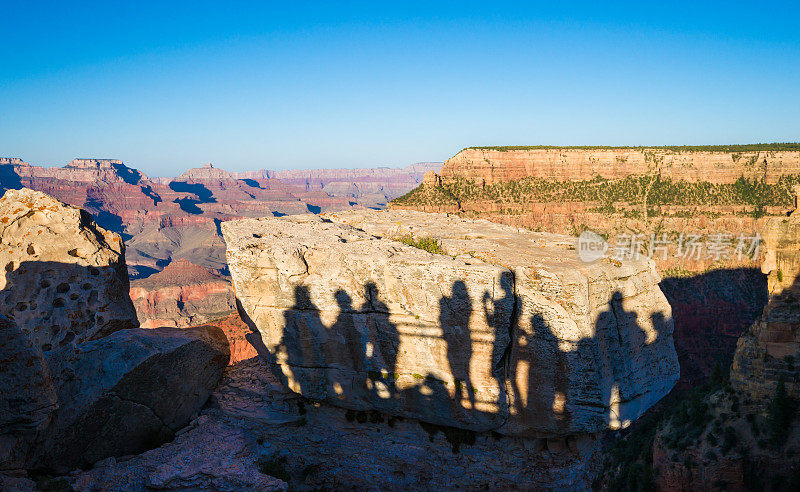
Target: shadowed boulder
129,391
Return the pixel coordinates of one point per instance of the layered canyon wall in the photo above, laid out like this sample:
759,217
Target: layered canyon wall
487,165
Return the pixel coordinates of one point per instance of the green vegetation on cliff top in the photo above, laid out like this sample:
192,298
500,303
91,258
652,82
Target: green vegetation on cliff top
756,147
608,192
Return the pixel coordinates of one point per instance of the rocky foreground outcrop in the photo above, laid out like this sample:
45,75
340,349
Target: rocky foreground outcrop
253,427
79,381
507,330
64,278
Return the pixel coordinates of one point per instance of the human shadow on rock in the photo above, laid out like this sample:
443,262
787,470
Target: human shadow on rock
550,382
455,311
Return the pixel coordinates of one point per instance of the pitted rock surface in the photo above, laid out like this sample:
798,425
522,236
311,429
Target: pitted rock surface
508,331
64,279
79,382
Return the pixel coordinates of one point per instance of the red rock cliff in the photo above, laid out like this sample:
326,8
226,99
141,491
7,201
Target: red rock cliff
491,166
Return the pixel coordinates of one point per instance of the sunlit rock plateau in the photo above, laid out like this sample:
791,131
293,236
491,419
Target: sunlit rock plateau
507,330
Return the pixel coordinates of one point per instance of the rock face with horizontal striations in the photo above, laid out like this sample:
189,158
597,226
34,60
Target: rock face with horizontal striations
182,295
490,165
507,331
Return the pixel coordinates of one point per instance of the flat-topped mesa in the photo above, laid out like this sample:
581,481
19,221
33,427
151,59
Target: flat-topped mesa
94,163
508,331
491,165
207,172
78,170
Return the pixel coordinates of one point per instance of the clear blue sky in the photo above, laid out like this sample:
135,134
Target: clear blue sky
249,85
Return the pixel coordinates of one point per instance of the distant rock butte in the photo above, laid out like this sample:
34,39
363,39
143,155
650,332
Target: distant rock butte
389,182
490,166
508,331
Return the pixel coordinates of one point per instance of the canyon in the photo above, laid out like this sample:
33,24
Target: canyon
158,408
712,431
166,219
174,222
747,433
339,330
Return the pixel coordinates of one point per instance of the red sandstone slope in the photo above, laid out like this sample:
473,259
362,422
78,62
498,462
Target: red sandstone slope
185,295
182,295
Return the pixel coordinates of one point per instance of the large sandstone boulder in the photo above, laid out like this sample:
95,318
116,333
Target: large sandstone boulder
64,279
507,331
129,391
78,381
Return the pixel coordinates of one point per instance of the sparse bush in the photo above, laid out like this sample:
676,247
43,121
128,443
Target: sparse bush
425,243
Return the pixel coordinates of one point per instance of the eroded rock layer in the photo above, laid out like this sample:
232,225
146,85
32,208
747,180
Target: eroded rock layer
495,165
182,295
770,350
507,331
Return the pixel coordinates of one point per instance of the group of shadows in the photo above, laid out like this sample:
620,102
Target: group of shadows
354,360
